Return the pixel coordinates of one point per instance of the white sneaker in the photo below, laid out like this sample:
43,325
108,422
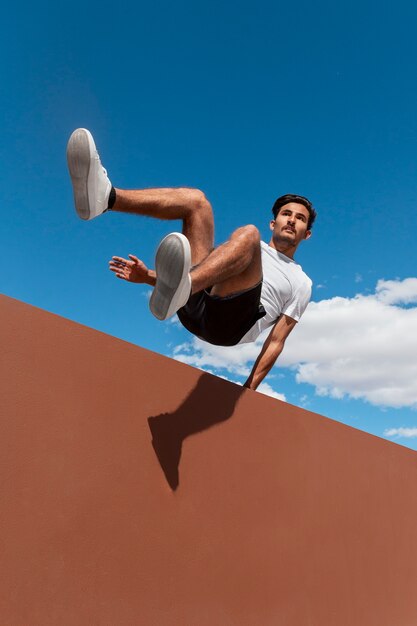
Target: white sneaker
173,280
90,183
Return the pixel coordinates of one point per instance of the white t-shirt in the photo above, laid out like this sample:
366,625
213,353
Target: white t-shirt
286,289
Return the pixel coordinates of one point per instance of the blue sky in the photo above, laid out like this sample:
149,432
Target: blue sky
246,101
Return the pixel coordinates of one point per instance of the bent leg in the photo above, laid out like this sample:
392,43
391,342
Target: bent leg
189,205
234,266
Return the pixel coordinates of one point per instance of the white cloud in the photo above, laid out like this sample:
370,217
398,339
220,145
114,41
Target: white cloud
363,347
397,291
264,388
235,359
268,391
401,432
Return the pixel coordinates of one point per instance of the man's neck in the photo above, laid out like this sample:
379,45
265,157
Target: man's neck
284,248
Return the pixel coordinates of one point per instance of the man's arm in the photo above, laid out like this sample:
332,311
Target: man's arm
271,350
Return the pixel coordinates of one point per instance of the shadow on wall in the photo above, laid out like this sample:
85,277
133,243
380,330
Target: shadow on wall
210,402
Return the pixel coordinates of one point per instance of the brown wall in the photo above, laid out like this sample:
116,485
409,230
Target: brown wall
244,511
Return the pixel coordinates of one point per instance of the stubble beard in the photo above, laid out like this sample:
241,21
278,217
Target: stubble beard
283,239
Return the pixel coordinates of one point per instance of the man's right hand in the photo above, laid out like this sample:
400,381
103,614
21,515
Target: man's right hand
133,270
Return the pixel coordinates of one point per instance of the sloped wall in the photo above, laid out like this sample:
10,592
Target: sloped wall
137,490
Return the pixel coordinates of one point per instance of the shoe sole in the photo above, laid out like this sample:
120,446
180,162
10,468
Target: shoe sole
171,286
80,147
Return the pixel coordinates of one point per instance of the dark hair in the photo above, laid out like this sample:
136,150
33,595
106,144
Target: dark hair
290,197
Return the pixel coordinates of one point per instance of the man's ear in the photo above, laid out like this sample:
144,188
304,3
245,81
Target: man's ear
308,234
272,224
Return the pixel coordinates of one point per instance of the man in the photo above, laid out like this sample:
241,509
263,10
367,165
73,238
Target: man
225,295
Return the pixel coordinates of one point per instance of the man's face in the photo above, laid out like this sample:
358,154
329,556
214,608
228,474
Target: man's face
290,225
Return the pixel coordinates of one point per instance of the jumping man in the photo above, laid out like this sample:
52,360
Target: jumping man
226,295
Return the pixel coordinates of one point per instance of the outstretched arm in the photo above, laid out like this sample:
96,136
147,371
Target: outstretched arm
271,350
132,269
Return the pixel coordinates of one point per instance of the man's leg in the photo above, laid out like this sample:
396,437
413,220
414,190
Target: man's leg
234,303
189,205
94,194
234,266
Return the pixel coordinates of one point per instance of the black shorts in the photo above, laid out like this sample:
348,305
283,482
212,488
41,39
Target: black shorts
222,321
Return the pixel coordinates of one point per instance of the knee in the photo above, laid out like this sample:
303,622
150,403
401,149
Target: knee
196,200
250,235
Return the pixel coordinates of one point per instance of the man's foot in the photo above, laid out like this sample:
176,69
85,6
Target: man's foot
173,281
90,183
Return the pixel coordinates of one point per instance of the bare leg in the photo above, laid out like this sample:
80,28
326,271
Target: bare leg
234,266
189,205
